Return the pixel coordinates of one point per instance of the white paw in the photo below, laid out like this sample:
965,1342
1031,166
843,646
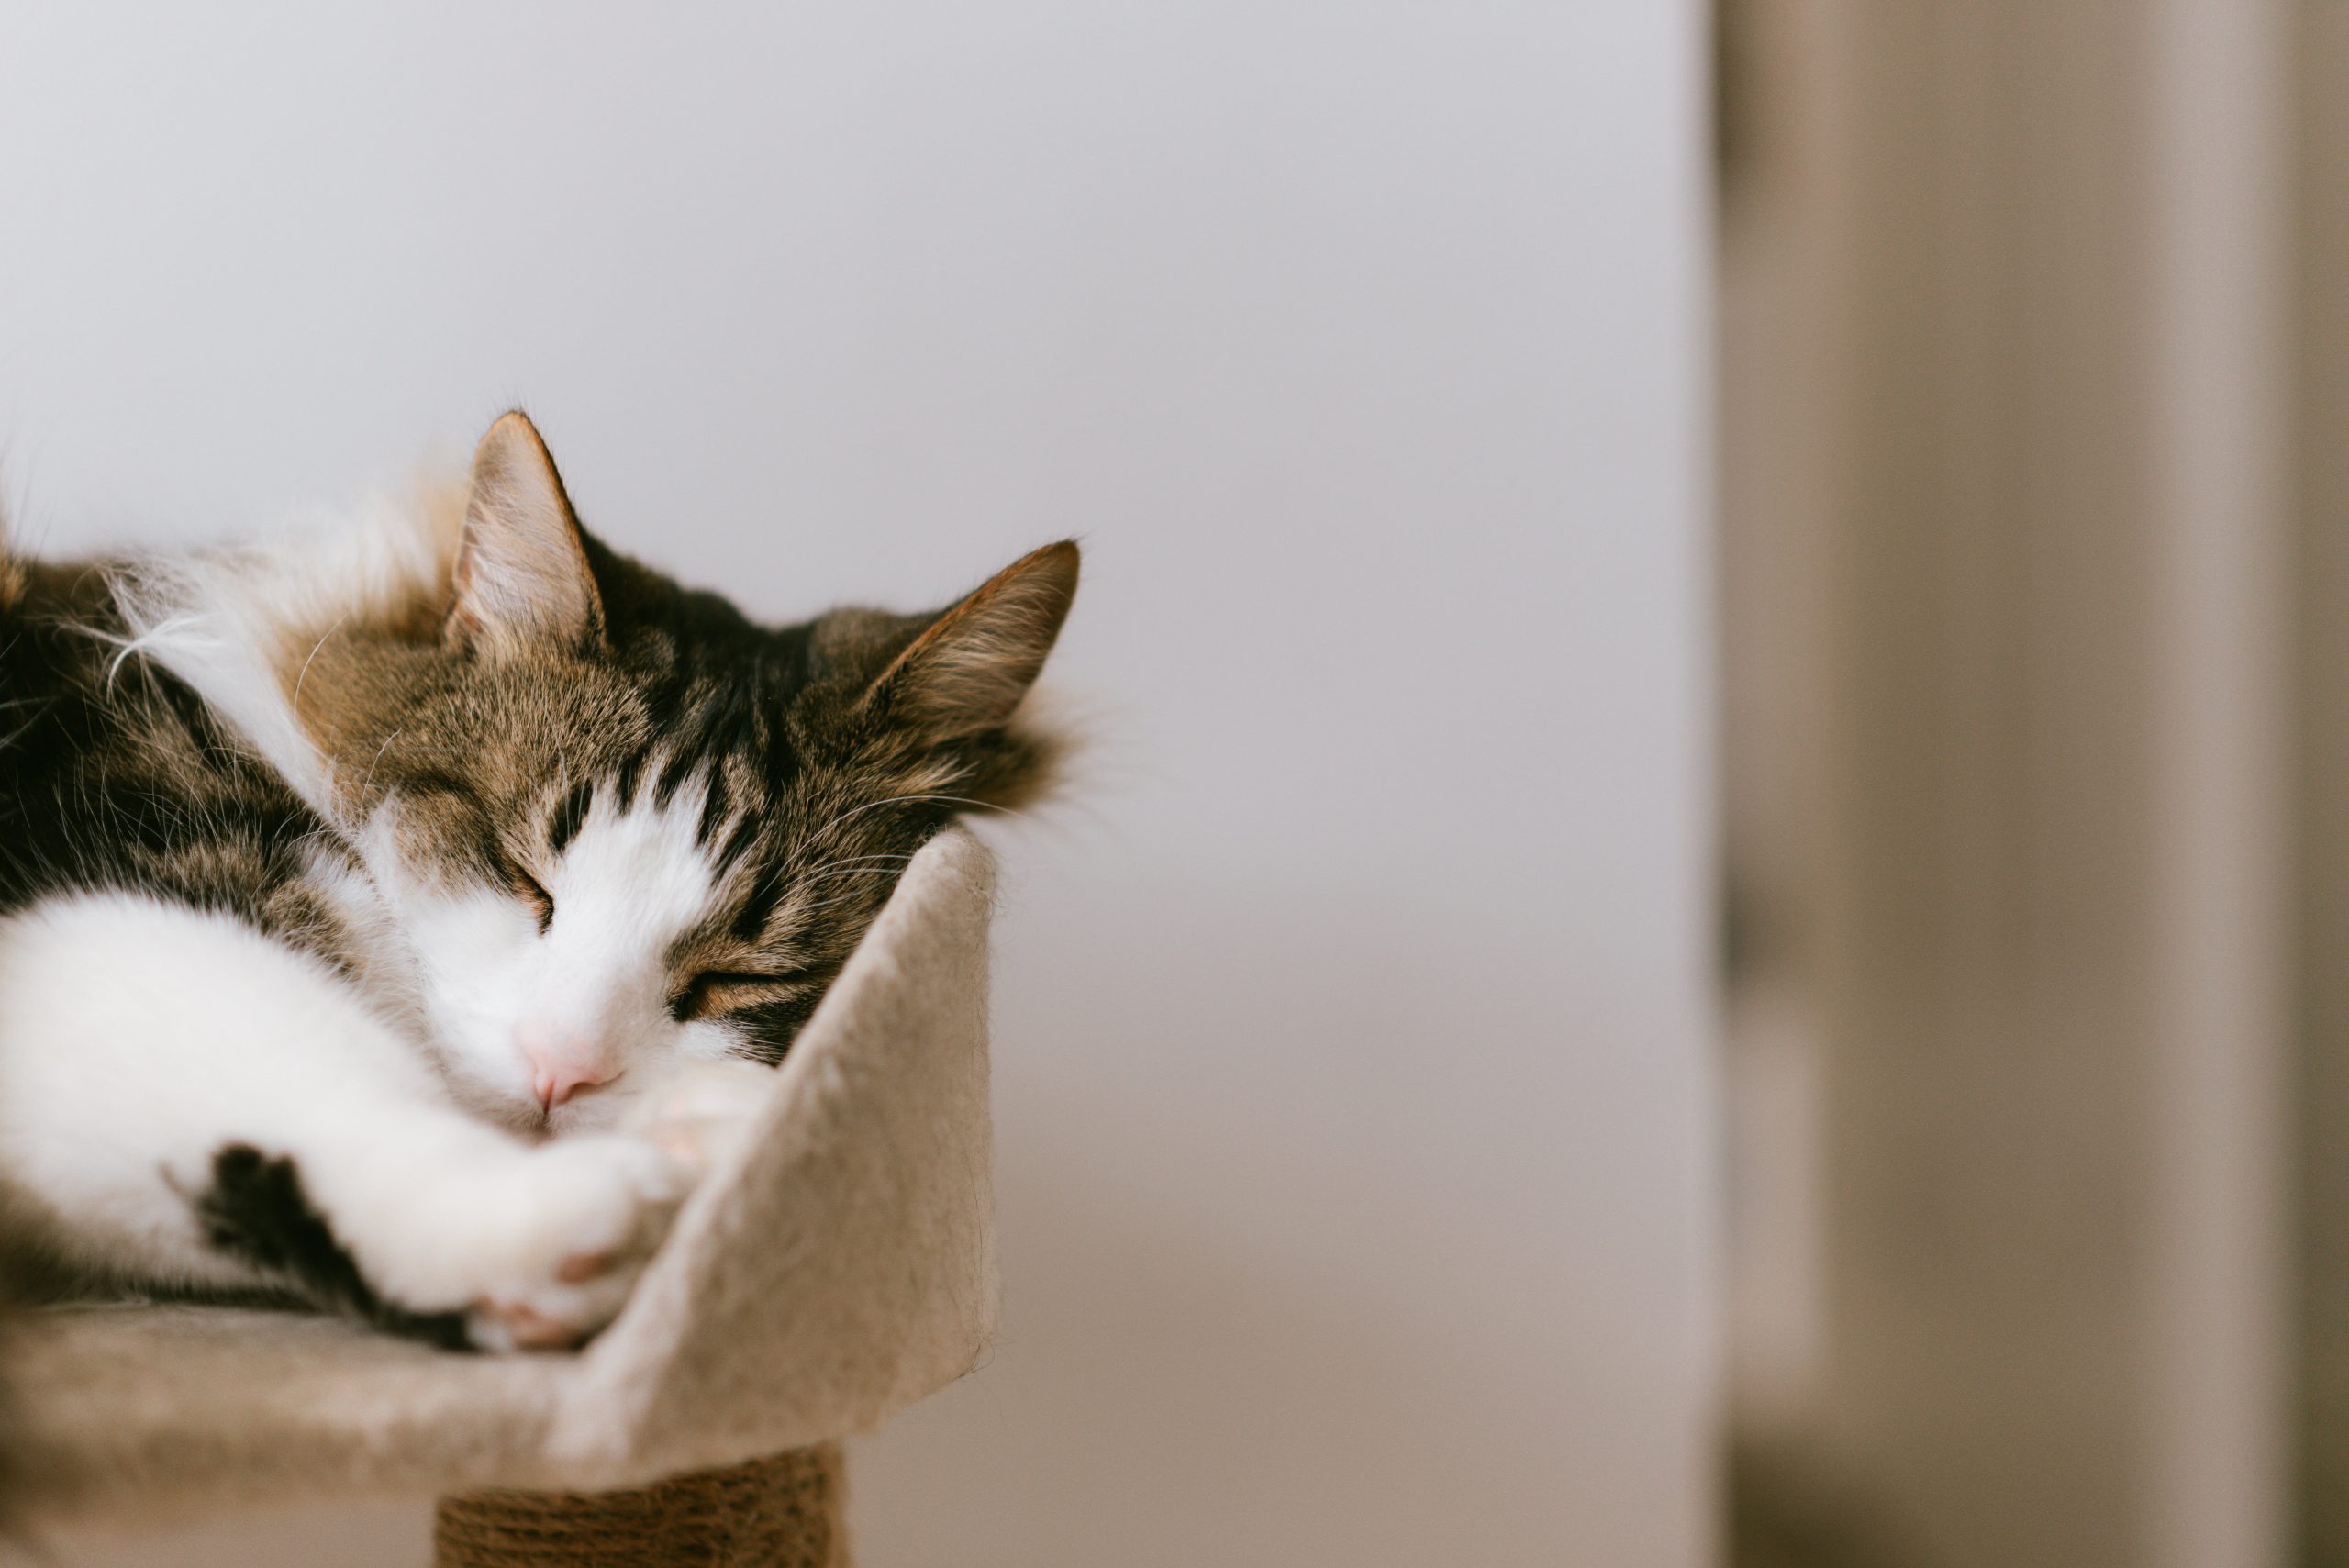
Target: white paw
704,1111
587,1213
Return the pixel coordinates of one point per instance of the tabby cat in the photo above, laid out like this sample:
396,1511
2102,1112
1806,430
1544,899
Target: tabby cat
375,911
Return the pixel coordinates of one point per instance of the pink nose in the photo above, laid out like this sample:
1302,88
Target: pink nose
560,1064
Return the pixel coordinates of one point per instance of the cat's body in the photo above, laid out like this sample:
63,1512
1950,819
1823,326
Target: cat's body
333,886
114,773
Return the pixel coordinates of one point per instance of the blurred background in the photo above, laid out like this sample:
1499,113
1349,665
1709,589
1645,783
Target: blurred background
2031,359
1702,926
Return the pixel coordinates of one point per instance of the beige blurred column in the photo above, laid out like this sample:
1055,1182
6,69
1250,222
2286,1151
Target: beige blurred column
2324,571
2004,553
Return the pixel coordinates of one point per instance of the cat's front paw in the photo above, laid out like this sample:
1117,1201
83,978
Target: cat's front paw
591,1211
704,1111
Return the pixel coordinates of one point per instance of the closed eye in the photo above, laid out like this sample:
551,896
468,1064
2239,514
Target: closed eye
541,900
716,991
531,890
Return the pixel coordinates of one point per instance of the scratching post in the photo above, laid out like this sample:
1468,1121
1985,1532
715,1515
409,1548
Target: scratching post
838,1266
780,1512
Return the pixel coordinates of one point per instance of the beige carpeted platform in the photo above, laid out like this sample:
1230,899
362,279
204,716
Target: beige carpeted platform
838,1267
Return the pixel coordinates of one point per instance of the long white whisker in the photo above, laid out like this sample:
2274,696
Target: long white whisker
817,909
853,860
369,781
874,870
323,639
906,799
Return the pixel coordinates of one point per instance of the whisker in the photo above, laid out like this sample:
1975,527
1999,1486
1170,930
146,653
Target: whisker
369,782
868,871
326,637
817,909
909,799
854,861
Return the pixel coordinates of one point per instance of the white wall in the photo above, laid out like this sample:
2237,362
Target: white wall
1353,1038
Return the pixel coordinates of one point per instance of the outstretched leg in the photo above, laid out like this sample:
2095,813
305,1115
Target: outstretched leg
185,1102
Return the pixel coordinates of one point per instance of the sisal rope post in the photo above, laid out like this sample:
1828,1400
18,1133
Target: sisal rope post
780,1512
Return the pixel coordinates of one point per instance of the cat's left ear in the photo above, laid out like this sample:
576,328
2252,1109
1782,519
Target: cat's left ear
965,673
522,577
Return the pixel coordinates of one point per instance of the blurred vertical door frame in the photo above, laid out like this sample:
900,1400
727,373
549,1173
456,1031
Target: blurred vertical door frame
2007,663
2321,468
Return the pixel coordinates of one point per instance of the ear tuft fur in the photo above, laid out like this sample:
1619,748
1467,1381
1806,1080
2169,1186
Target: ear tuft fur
523,576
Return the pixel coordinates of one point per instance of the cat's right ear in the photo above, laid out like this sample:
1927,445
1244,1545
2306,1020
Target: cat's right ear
522,578
970,669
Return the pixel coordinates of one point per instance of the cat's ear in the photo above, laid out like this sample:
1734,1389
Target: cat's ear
522,578
966,673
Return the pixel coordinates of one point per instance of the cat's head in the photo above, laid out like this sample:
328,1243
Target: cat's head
620,825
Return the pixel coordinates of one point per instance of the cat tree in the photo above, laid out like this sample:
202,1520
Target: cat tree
840,1265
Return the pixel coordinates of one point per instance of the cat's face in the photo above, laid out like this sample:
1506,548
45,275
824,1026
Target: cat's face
621,827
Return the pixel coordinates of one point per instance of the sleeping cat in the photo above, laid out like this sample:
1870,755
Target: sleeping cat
374,914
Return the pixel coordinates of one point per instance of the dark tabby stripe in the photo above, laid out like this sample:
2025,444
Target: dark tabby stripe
256,1209
568,814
